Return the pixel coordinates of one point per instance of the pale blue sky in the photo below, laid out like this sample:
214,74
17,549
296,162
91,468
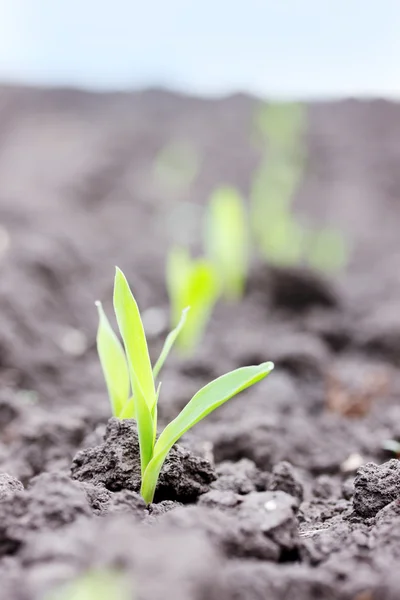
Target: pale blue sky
280,47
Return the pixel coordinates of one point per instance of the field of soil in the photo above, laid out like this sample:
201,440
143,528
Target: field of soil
285,492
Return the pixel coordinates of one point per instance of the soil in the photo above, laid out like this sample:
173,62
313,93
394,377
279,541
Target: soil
285,491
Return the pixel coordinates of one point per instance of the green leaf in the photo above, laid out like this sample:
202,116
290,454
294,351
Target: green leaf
113,363
132,332
154,414
281,124
94,585
273,188
205,401
195,284
128,411
227,240
146,428
391,446
201,295
169,342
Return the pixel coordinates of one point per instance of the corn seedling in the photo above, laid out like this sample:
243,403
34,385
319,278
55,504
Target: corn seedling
281,126
277,234
282,240
194,283
131,384
95,585
227,240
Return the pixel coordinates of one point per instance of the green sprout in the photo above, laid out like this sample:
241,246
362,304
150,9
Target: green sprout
95,585
281,238
131,384
194,283
281,125
278,235
227,240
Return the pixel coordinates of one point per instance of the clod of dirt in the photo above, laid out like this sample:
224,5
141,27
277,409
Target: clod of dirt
161,508
260,525
52,501
385,535
103,502
285,478
275,512
319,445
297,289
9,485
115,465
240,477
348,488
375,486
326,487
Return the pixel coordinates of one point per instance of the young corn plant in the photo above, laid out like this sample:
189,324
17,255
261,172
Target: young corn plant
95,585
281,125
194,283
226,238
132,388
277,233
281,238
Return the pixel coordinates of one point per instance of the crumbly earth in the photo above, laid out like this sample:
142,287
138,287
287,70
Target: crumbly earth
285,491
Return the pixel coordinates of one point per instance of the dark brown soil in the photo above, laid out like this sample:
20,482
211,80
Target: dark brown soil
300,500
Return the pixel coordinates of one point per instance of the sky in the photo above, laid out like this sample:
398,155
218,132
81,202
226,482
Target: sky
284,48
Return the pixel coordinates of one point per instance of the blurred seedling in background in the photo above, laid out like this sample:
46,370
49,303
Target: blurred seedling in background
277,234
191,282
226,239
95,585
176,166
131,383
281,126
281,238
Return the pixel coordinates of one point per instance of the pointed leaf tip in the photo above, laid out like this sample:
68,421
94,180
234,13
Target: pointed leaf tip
134,338
113,362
